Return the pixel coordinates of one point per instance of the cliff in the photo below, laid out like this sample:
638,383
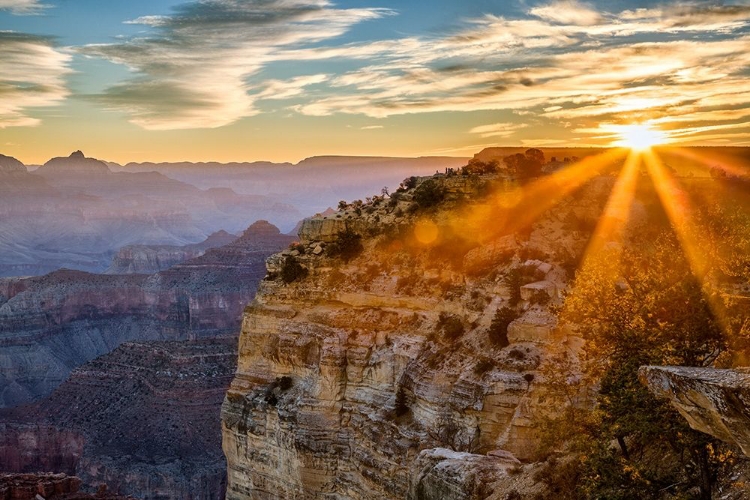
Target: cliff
149,259
375,361
713,401
142,420
54,323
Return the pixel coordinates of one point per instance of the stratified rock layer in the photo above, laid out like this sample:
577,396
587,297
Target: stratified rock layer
713,401
149,259
47,487
378,377
54,323
142,420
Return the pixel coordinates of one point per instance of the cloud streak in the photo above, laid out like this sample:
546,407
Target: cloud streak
565,63
569,64
32,75
22,7
194,70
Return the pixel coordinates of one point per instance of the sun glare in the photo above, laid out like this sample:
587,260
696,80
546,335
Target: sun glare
639,137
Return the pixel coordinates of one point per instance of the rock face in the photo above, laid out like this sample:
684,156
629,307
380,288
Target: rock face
54,323
149,259
380,377
713,401
142,420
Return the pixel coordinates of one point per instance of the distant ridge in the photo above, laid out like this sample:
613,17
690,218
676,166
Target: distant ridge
10,164
76,164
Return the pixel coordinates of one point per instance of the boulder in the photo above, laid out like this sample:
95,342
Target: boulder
713,401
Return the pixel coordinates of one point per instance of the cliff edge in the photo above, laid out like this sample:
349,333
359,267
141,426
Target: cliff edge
398,351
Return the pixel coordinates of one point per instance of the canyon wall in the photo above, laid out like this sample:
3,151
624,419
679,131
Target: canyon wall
149,259
388,375
142,420
54,323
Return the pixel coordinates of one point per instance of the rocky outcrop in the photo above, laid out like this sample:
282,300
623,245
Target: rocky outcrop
383,375
142,420
48,487
713,401
149,259
53,323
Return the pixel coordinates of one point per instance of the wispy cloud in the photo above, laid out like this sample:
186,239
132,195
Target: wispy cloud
568,63
193,71
569,12
372,127
497,129
22,7
32,74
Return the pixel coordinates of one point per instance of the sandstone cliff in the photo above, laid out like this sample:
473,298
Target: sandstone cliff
53,323
392,370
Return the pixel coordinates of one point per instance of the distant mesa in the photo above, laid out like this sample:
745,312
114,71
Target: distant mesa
76,163
261,228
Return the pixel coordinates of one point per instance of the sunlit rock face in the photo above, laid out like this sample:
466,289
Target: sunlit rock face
713,401
379,377
54,323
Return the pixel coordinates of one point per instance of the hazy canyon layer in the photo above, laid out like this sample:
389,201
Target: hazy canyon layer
78,213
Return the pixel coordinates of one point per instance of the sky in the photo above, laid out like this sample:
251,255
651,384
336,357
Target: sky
281,80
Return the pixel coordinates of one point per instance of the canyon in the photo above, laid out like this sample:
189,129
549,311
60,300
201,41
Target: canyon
56,322
149,259
141,421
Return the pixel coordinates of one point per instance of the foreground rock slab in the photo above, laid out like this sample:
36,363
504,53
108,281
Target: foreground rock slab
713,401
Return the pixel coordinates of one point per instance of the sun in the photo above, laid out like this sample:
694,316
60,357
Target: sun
639,137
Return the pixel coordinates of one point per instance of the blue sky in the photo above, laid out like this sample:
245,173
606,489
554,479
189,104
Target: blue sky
285,79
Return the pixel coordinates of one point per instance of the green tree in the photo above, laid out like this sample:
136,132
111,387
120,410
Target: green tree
637,307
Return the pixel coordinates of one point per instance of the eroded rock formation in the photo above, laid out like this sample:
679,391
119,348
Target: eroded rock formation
713,401
149,259
53,323
387,376
142,420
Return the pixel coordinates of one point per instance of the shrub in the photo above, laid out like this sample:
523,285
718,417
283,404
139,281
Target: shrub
518,277
451,326
517,354
348,245
408,183
429,194
285,383
291,270
540,297
504,316
483,366
402,403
